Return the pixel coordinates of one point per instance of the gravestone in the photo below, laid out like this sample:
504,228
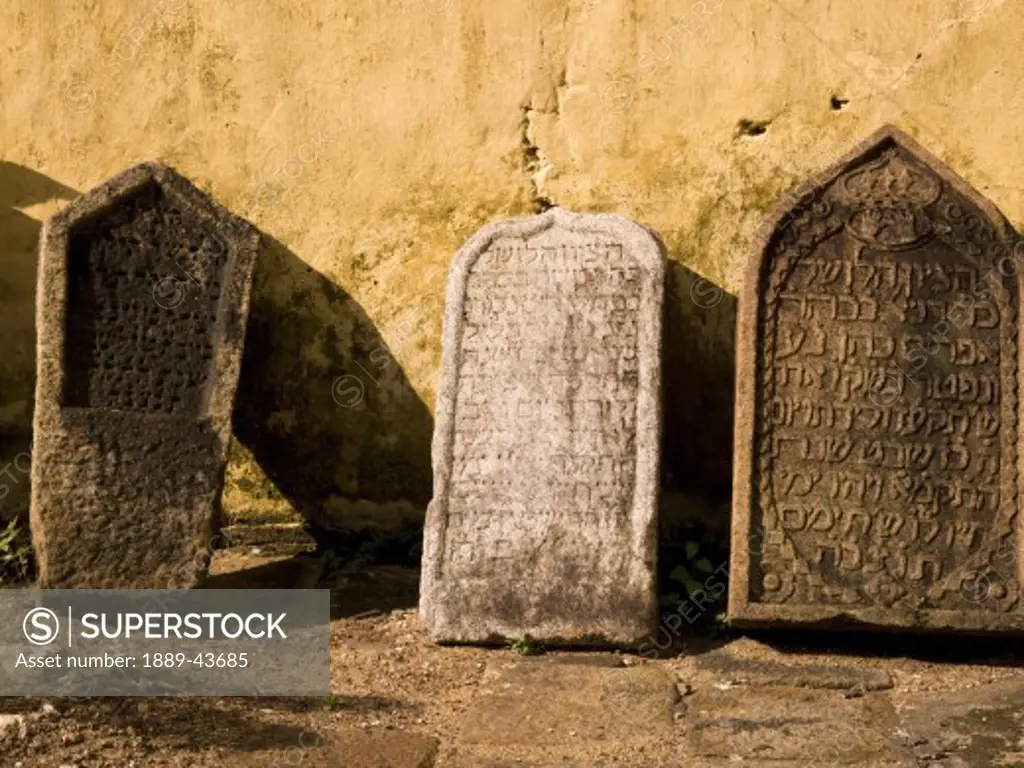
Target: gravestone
543,521
876,466
142,304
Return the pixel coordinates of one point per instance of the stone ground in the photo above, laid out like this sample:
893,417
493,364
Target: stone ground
399,701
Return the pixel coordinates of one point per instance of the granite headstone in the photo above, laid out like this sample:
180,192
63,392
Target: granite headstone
546,447
142,303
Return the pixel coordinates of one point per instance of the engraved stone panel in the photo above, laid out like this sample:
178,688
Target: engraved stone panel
876,477
545,451
143,297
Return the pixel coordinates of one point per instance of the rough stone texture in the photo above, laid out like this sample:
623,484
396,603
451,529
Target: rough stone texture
348,747
538,707
779,724
877,397
730,670
979,726
359,749
143,296
543,521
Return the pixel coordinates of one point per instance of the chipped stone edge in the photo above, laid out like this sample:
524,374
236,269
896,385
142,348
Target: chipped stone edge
242,241
648,250
742,612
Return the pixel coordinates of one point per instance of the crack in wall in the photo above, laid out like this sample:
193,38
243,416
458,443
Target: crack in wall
532,161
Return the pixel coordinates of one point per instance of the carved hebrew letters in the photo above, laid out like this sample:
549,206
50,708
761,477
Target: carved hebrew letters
878,444
124,348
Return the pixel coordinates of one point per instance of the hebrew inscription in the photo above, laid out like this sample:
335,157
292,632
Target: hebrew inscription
128,348
884,420
542,520
573,427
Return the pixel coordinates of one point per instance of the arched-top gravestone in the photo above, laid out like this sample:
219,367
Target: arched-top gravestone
142,304
877,425
543,521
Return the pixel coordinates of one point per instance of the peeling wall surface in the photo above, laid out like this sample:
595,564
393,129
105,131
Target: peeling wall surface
369,139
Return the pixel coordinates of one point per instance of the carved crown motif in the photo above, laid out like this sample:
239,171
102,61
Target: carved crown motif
891,181
888,196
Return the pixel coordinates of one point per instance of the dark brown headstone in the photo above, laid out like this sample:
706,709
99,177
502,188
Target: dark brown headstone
876,458
142,304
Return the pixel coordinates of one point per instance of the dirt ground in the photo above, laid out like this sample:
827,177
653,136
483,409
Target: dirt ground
716,699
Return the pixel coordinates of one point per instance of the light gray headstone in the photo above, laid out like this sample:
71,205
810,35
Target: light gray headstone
546,447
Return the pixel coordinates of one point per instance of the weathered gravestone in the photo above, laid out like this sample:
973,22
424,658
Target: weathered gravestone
142,303
543,522
877,404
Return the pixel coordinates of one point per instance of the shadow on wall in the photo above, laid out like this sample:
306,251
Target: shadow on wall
19,242
330,416
699,369
334,423
20,187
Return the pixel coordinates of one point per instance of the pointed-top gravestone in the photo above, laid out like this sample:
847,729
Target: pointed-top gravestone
876,455
142,304
543,522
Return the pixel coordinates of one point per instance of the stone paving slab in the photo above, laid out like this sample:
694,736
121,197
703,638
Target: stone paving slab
540,703
349,747
756,672
483,762
975,727
541,709
677,762
773,724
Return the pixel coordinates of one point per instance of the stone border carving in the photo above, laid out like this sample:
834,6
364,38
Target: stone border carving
747,543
